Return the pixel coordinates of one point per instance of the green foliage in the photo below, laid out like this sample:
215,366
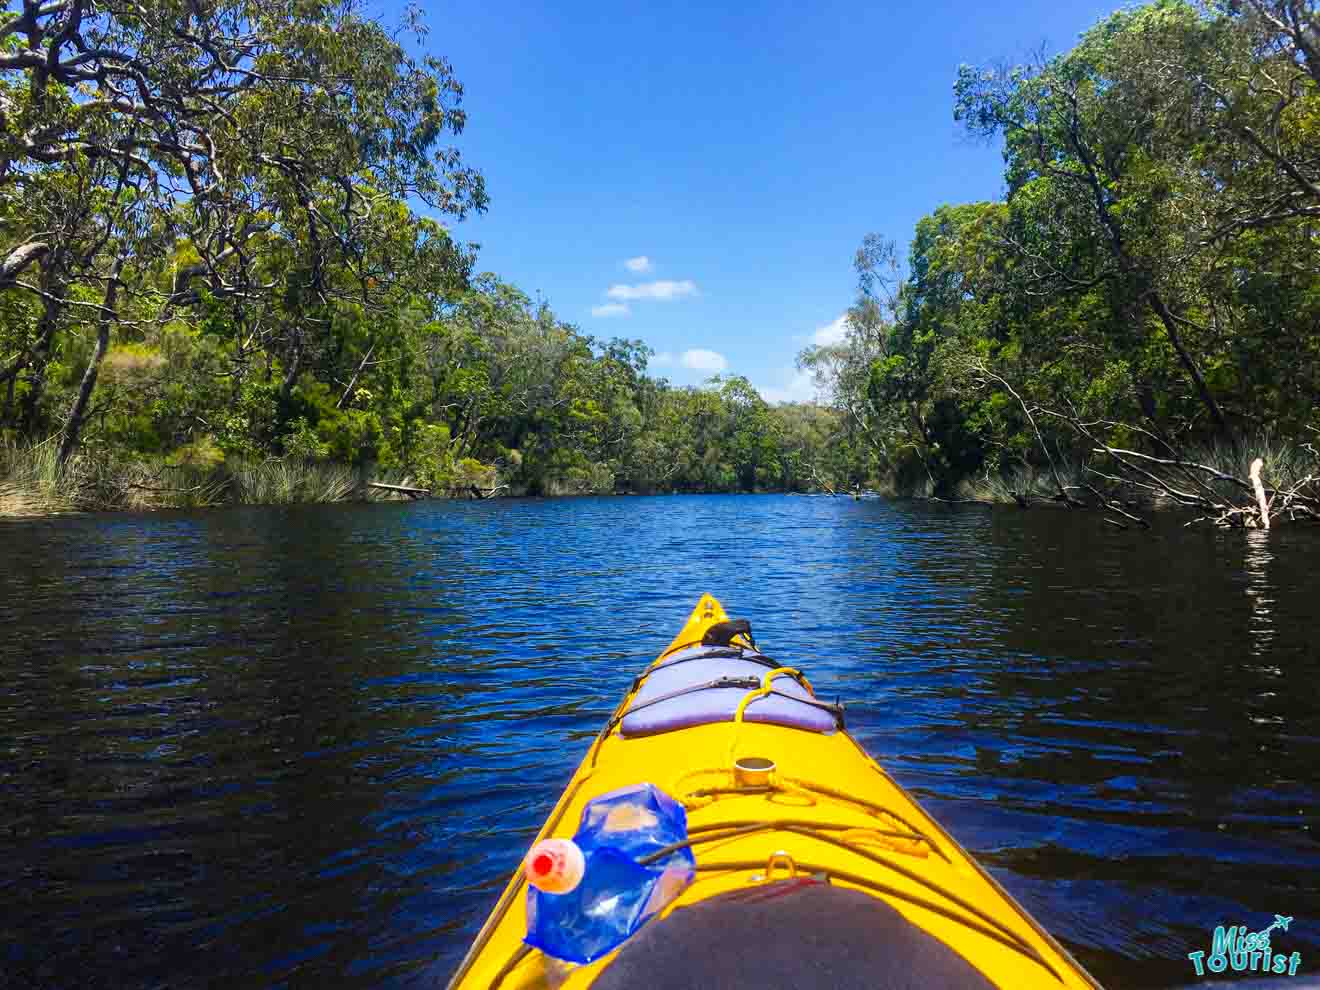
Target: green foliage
304,443
1153,271
232,183
289,324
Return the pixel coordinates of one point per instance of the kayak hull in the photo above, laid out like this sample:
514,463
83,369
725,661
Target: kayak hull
827,810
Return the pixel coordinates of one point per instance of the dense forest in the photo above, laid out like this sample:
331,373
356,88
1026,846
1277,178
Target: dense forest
1141,315
224,278
228,273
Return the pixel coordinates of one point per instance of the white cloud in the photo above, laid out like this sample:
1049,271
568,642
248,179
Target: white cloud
700,359
831,333
662,360
610,309
639,264
662,289
798,387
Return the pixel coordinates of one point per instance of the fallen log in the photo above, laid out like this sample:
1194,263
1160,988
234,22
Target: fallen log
403,489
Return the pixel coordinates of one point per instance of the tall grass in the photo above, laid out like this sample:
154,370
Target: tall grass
1024,483
286,482
1286,464
31,482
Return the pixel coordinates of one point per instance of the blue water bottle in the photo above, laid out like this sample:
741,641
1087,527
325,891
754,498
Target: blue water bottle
587,895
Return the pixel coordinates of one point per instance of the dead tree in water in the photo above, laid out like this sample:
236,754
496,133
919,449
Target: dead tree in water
1225,499
821,483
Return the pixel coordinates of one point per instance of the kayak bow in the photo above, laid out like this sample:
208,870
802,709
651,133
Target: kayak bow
813,867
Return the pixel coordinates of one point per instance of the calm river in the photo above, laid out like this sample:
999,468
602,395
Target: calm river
306,746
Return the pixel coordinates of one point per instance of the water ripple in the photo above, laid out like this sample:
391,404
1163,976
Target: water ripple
263,746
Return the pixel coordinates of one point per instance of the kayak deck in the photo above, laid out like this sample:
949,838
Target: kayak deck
827,810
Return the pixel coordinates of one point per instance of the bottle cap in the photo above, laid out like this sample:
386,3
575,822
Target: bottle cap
554,866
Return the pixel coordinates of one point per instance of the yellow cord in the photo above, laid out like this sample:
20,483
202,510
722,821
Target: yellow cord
760,692
764,689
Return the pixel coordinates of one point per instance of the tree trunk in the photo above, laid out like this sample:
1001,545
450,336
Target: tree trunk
39,358
1261,501
73,426
1203,390
295,364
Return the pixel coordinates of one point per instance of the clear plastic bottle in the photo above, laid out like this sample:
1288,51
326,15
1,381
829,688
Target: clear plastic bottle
616,894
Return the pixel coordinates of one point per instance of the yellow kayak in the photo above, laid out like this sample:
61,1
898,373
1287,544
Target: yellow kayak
813,867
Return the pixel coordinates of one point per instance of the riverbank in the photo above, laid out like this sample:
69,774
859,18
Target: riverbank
1211,479
33,484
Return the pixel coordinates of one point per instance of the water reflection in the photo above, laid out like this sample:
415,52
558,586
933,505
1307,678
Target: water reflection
307,745
1256,565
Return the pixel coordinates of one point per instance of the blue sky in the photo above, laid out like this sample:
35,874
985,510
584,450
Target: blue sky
736,153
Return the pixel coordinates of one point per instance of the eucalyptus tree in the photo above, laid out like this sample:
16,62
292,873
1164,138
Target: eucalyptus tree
1295,25
266,149
1163,174
1098,172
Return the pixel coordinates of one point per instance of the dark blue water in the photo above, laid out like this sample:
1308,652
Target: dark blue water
306,746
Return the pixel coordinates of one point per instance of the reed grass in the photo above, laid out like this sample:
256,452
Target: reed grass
1024,482
288,482
1287,463
32,483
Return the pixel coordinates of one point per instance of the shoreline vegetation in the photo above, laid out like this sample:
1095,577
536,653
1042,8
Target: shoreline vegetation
231,276
32,483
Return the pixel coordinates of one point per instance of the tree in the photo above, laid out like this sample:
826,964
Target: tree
1093,141
272,140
